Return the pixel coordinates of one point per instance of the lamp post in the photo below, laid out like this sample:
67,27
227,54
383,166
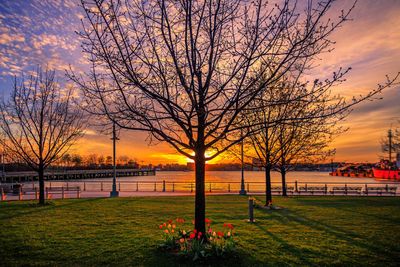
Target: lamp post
3,163
114,192
3,173
242,187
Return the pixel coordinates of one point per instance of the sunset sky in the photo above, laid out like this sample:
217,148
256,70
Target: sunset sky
43,32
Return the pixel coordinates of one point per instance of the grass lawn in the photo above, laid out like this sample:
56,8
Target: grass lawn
124,231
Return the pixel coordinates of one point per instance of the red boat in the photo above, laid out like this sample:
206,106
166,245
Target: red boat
387,169
386,174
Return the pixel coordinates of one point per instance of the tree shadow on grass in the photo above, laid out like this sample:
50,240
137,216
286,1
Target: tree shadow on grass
381,218
352,238
300,255
353,205
347,201
27,208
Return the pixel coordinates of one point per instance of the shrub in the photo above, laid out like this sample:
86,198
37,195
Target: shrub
197,245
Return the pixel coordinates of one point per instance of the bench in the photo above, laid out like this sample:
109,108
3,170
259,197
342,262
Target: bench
313,190
387,190
344,190
30,191
19,192
62,190
278,189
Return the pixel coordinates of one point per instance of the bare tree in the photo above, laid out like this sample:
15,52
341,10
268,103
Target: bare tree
109,161
262,121
66,159
101,160
184,71
77,160
91,160
39,122
304,141
123,160
308,128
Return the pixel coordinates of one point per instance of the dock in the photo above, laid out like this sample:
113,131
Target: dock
18,177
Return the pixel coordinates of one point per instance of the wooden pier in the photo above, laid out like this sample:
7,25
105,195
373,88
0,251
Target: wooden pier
18,177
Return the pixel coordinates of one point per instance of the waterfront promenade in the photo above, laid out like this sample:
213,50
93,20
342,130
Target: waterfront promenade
94,189
217,182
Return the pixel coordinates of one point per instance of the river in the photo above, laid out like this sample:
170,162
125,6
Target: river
218,181
250,176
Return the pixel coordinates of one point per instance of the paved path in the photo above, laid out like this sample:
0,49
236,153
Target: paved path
86,194
105,194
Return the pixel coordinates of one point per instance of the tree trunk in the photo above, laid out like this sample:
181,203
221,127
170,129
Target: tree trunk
268,191
41,185
200,202
283,174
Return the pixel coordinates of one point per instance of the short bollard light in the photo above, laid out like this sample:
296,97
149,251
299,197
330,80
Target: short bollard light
251,210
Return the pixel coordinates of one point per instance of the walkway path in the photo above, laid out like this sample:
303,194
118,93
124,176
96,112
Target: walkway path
86,194
104,194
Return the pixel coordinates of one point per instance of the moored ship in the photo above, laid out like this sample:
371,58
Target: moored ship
386,174
388,170
354,170
383,170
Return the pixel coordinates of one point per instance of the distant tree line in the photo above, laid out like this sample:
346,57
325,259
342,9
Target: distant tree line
76,161
95,161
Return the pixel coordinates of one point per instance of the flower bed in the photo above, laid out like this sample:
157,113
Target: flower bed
196,245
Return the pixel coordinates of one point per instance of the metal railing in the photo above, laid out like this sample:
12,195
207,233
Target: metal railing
61,189
296,187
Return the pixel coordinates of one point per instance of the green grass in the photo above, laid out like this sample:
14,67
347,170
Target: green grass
124,231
